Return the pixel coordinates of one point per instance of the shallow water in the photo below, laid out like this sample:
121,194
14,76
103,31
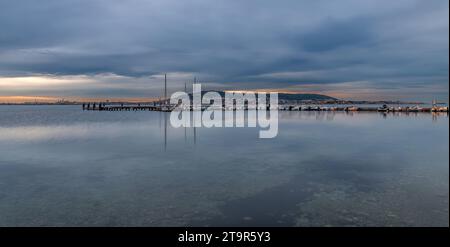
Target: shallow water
61,166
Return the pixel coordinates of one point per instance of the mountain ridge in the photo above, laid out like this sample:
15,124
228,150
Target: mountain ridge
286,96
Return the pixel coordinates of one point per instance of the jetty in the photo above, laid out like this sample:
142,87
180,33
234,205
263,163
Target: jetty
166,107
163,104
160,105
101,106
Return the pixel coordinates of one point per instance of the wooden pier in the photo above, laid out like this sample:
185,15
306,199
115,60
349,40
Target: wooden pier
165,107
125,107
163,104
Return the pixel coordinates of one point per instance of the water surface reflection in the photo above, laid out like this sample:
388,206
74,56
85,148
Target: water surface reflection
60,166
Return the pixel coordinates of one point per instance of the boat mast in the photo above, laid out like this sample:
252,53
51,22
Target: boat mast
165,88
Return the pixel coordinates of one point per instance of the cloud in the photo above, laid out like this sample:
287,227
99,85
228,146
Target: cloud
231,43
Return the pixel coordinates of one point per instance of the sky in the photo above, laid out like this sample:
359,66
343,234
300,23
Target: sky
352,49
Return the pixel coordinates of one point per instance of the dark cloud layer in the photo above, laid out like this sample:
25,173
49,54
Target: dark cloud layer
387,44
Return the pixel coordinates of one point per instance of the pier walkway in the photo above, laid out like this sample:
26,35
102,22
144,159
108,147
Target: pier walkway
169,108
126,107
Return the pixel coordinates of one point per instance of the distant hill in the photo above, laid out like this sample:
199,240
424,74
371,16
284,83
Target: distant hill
288,96
304,96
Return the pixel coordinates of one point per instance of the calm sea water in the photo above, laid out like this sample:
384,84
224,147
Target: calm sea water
60,166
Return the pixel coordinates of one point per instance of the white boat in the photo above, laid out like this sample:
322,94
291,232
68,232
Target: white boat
416,108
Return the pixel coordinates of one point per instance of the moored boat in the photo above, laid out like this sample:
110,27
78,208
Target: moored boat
384,108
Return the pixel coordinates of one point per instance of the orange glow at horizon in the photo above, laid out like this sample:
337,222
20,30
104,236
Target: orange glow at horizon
54,99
